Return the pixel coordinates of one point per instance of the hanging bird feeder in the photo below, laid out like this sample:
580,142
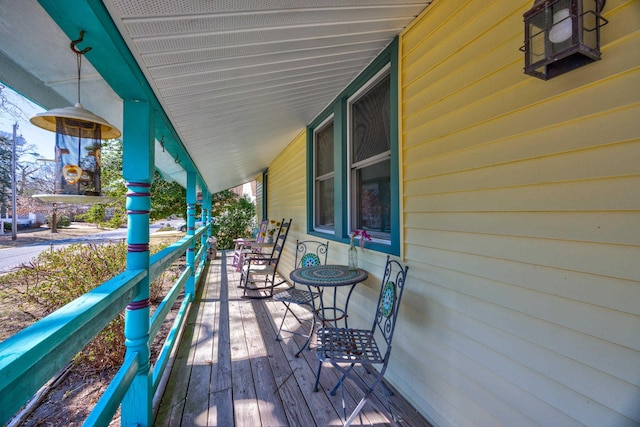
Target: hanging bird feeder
79,133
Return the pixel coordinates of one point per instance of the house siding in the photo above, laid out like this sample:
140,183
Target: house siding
521,213
287,195
520,224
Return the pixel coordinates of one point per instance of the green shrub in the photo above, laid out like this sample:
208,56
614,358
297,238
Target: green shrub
56,278
235,219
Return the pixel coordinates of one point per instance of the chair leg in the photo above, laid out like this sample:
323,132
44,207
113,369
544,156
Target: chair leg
345,372
369,390
296,316
242,279
235,262
315,387
278,338
286,313
307,343
368,370
356,411
245,285
308,335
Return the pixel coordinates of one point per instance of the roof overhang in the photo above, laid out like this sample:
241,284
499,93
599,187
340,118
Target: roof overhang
232,83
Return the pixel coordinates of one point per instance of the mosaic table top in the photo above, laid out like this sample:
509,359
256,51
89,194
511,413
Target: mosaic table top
328,275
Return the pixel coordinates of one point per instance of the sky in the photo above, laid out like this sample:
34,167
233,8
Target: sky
43,139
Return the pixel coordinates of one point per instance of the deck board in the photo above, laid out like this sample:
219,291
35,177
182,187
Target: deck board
221,397
200,376
229,369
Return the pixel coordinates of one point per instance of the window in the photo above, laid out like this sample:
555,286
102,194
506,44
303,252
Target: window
370,157
324,177
352,160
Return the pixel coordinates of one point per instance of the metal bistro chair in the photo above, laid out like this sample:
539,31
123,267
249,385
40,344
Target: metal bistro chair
347,348
309,253
259,271
243,245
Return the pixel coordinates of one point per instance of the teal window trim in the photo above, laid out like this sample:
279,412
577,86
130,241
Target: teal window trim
265,193
339,110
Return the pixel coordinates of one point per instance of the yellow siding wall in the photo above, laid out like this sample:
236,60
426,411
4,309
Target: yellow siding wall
287,194
521,222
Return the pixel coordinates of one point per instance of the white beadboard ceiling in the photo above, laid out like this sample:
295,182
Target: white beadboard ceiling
239,79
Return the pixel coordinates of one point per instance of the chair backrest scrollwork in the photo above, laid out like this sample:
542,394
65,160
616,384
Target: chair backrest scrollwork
391,291
310,253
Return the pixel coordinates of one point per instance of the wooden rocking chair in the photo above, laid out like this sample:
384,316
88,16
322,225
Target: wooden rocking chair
243,245
259,271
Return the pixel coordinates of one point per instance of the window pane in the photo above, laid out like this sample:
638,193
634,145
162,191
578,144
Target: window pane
324,204
373,199
371,134
324,150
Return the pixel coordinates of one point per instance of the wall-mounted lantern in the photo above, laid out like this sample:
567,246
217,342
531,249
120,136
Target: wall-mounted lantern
79,133
561,35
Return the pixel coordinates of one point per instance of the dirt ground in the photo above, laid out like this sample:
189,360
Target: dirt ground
71,398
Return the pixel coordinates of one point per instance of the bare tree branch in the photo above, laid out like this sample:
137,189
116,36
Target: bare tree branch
9,104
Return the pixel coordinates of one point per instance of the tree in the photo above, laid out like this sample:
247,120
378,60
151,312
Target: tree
25,153
112,214
42,180
167,198
5,173
7,104
233,216
26,167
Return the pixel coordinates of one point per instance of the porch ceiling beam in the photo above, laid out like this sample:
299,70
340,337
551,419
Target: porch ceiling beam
16,76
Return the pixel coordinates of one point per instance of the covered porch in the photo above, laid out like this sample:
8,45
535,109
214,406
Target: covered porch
515,201
230,370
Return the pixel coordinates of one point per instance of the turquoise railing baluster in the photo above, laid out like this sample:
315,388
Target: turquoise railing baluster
191,221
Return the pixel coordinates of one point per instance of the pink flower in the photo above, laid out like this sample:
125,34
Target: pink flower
363,235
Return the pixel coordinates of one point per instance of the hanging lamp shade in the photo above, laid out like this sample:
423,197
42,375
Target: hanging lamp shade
78,122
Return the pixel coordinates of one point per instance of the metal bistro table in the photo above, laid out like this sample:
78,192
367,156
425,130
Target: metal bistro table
328,276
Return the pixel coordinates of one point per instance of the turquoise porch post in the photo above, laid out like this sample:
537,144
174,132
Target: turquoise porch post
206,215
210,207
137,170
191,222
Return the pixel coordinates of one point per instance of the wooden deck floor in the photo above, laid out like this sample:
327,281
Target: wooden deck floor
230,371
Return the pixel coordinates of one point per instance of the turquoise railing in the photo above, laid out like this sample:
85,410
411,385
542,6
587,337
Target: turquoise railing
31,357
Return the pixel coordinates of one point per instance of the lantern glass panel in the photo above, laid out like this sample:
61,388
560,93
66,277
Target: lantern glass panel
561,27
77,158
536,41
